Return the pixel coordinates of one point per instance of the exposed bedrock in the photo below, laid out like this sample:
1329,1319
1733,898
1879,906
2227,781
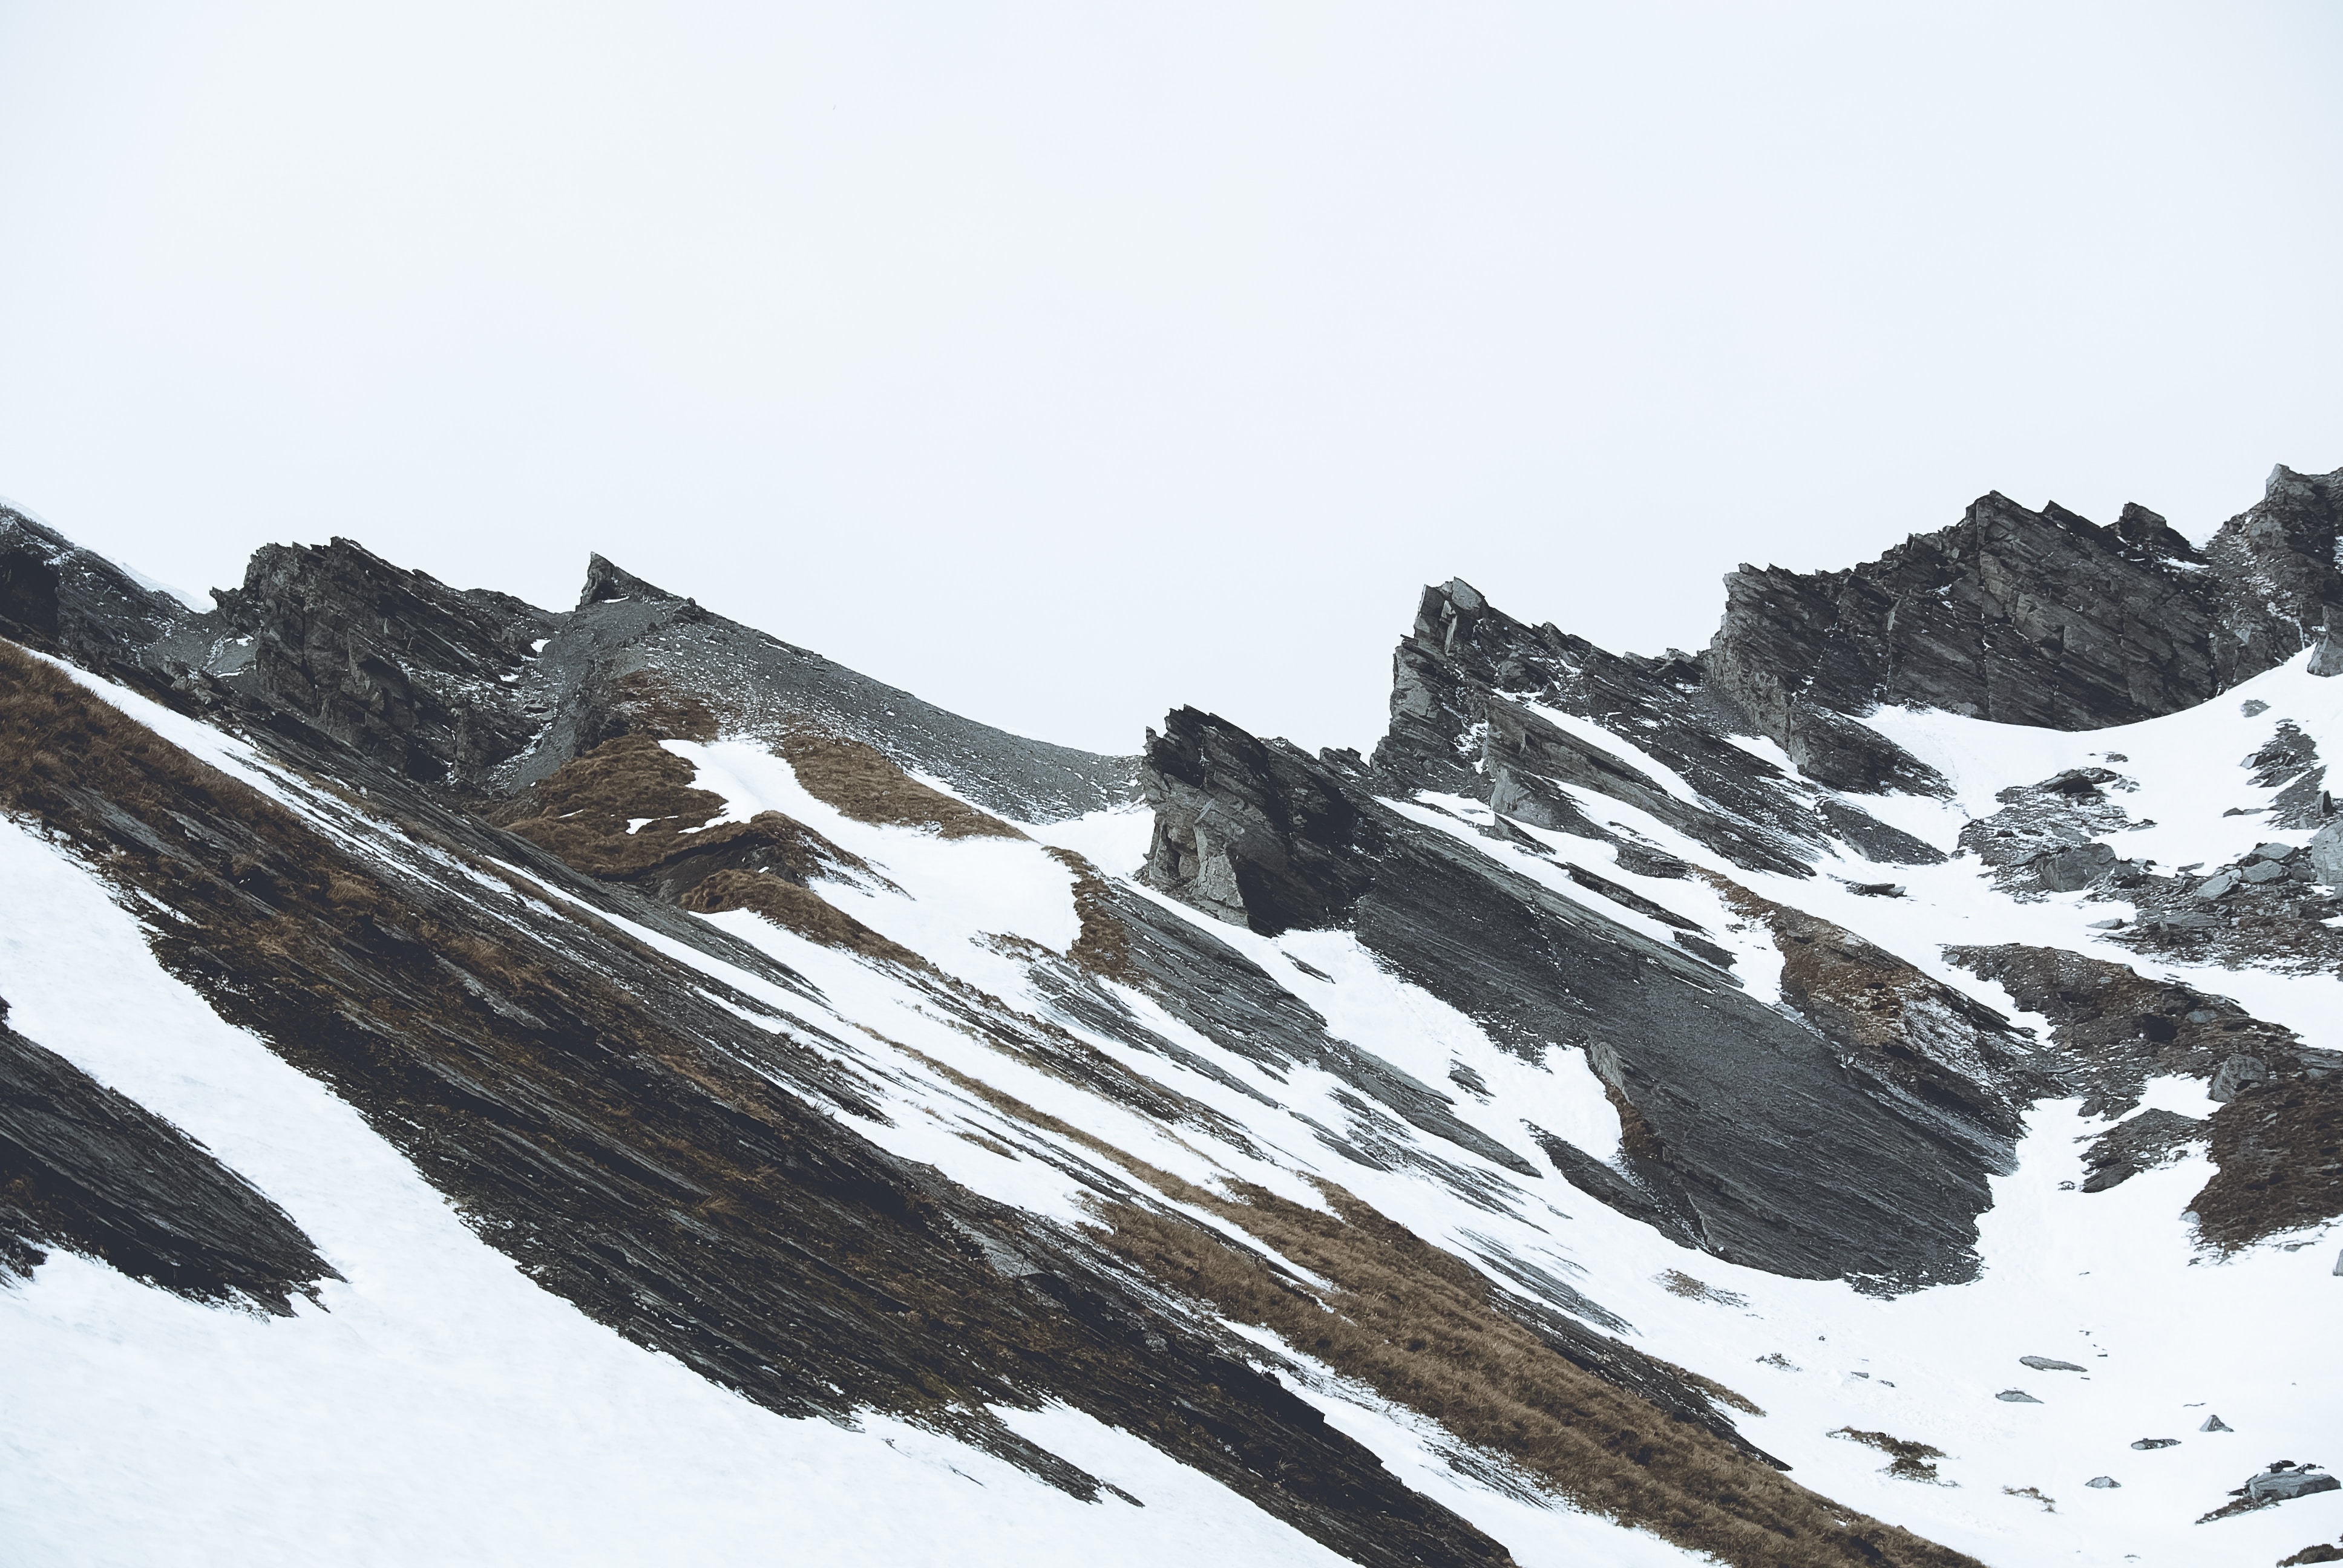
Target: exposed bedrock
392,663
1781,1149
479,694
86,1169
2276,1138
72,602
2029,618
638,1137
634,658
1482,706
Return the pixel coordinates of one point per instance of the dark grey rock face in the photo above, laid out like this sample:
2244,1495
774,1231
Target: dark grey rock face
482,694
2327,853
63,599
1234,1003
2237,1075
1774,1145
423,677
635,657
85,1168
2027,618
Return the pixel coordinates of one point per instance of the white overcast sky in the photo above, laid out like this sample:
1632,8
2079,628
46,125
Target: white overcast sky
1066,363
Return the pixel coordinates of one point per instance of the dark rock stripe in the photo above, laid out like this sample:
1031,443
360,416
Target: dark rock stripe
88,1168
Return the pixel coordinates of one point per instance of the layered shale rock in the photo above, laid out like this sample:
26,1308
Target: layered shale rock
1750,1127
1523,718
2027,618
392,663
88,1169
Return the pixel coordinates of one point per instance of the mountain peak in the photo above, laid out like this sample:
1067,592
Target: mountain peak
607,581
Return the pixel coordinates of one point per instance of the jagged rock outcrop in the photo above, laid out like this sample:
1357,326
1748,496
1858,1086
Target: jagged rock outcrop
2027,618
1758,1132
482,694
1482,704
654,1145
72,602
392,663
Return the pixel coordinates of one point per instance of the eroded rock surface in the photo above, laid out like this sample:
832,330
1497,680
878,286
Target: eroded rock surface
88,1168
1482,706
2027,618
1778,1151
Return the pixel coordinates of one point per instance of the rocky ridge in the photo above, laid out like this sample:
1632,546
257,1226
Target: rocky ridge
1590,858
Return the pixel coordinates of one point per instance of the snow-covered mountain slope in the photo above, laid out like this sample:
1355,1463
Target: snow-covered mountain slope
701,1106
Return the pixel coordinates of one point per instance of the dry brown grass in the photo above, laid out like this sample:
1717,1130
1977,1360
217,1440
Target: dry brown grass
583,810
1416,1325
795,909
580,812
1677,1282
1103,945
613,1140
1908,1461
863,783
647,703
1882,1013
1412,1322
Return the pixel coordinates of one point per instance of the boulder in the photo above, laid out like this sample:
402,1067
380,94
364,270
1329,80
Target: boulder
2015,1396
2071,871
2045,1363
2215,1424
2327,853
2147,1442
2276,851
2263,871
2103,1483
2237,1075
2276,1486
2326,656
2220,885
